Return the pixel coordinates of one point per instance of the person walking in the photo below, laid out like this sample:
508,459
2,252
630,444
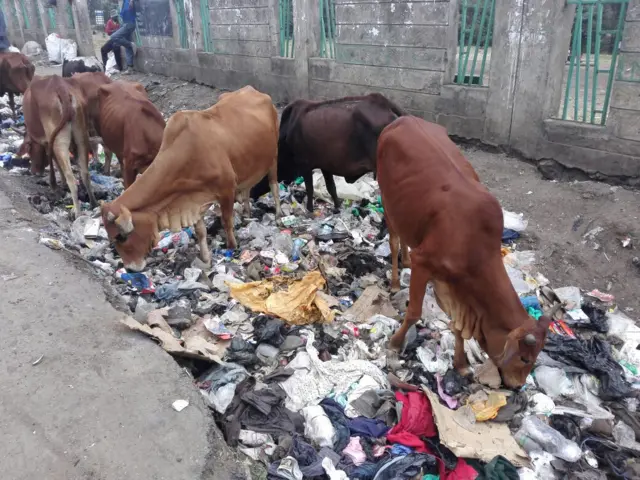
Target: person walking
123,37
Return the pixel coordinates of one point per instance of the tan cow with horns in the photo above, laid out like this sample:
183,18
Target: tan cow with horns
205,157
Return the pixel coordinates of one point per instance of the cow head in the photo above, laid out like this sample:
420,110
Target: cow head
20,75
133,235
521,351
37,155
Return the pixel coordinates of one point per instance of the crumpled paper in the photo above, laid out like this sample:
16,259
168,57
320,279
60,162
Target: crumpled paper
373,301
299,302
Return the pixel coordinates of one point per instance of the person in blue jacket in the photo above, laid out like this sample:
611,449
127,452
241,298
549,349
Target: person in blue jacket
123,37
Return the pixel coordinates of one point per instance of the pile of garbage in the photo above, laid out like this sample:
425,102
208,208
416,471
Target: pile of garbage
10,137
287,336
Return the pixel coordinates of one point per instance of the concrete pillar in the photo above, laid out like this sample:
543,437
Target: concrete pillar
623,120
84,32
544,39
274,28
306,31
16,35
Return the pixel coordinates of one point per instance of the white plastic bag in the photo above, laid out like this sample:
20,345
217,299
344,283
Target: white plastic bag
317,426
514,221
31,48
553,381
111,67
60,49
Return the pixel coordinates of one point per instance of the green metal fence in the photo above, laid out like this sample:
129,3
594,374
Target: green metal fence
25,14
14,12
38,15
71,23
328,29
476,34
182,24
590,75
285,19
204,15
51,13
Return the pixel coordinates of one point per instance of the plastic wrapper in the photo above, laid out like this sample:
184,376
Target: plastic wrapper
550,439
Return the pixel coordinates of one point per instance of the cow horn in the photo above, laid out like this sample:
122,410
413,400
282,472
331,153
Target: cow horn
124,221
529,339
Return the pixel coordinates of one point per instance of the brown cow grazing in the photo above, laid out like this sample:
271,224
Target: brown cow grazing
130,126
16,73
435,204
337,136
205,157
54,114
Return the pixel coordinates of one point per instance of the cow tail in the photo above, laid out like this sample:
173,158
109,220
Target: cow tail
67,116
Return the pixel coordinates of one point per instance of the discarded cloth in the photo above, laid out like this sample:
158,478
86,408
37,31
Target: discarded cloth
498,469
407,467
314,379
318,427
261,411
354,451
416,420
218,384
295,301
339,421
378,404
367,427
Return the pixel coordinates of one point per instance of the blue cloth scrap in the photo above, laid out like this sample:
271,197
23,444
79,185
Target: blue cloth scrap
509,235
398,449
367,427
530,301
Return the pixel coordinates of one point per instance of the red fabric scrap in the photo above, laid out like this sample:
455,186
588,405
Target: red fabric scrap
416,421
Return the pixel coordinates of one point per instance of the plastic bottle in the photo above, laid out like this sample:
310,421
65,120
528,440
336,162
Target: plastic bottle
550,439
529,445
298,243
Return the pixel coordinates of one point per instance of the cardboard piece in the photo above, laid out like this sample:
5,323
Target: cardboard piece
195,348
474,440
297,301
373,301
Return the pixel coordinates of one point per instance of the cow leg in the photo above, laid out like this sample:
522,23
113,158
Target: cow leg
246,202
201,235
394,244
82,144
331,188
417,287
308,184
460,361
226,207
61,153
12,104
273,185
128,174
107,161
404,253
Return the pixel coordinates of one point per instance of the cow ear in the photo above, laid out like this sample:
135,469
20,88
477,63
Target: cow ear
124,221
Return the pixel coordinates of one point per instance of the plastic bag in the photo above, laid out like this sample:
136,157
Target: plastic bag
553,381
318,429
514,221
268,330
218,385
550,439
60,49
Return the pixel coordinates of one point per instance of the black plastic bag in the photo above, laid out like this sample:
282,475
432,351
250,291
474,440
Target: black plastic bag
597,317
453,383
593,355
268,330
241,352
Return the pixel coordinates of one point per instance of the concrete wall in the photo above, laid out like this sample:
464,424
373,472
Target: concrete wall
36,27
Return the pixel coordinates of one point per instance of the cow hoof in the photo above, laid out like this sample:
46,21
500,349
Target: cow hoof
394,345
395,288
465,371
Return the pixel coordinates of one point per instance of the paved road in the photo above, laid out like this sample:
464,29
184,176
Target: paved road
98,406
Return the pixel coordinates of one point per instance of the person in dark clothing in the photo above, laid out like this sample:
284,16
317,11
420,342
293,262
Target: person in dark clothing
123,37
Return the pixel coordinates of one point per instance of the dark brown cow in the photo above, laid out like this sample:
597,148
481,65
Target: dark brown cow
206,157
337,136
435,204
130,126
54,115
16,72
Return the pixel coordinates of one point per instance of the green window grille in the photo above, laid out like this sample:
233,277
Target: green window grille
51,13
285,16
590,74
476,34
138,39
25,15
14,12
327,29
38,16
72,24
206,32
182,24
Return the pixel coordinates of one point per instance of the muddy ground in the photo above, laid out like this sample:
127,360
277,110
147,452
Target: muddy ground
577,228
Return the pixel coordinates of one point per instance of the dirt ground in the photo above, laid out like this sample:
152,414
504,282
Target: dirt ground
577,228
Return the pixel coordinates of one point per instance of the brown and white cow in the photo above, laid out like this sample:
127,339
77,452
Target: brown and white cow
205,157
337,136
435,204
16,72
54,116
130,126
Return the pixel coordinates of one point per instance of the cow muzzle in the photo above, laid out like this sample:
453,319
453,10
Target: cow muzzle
136,266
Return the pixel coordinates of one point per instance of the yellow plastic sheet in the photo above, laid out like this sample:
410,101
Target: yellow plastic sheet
299,302
488,409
